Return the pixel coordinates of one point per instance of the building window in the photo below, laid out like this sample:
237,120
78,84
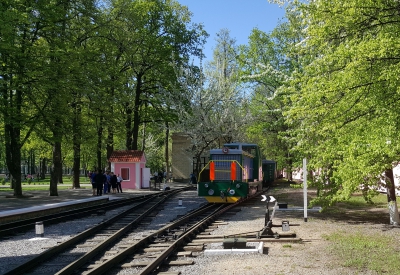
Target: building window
125,173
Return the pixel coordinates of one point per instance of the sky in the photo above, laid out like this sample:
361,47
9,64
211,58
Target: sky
238,16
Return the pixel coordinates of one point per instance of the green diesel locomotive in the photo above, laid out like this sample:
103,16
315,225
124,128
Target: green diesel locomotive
232,173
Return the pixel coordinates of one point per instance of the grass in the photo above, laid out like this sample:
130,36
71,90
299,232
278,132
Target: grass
364,252
39,188
358,250
296,185
43,185
358,203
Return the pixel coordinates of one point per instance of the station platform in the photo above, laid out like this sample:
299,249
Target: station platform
38,201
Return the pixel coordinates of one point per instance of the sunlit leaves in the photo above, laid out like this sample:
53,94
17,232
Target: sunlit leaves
346,108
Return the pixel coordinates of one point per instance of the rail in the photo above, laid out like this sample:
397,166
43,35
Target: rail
60,248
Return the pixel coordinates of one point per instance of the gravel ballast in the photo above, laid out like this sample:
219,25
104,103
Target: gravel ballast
18,249
310,257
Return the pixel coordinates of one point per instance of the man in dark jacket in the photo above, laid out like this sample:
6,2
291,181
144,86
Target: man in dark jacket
91,178
99,179
113,182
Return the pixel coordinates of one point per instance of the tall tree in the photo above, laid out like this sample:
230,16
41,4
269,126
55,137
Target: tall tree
160,35
20,24
347,106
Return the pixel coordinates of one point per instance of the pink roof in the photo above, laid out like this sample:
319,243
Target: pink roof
126,156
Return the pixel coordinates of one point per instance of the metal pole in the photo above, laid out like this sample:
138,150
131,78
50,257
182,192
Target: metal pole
305,188
266,219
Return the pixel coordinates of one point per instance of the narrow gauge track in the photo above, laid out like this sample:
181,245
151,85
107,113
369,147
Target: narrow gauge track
13,228
147,254
95,239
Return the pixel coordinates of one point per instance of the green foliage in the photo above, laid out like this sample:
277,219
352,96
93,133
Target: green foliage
213,110
345,113
80,78
267,63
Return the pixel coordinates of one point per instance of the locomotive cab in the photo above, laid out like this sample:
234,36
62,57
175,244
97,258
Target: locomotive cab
234,173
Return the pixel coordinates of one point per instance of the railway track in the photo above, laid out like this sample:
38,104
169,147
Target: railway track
94,239
116,243
147,254
20,226
150,253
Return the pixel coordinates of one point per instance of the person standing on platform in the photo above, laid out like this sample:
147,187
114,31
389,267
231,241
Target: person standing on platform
113,182
160,177
106,182
92,176
119,181
99,180
109,182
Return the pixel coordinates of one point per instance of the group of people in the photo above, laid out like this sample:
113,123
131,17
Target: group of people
105,182
159,176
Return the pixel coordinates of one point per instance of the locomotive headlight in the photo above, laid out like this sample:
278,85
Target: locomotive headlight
211,192
232,192
206,185
238,185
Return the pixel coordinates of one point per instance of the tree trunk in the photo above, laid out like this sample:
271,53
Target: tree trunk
166,148
99,138
391,194
144,137
43,169
76,139
59,167
136,115
54,178
110,145
76,165
290,169
110,130
53,182
128,127
12,137
13,158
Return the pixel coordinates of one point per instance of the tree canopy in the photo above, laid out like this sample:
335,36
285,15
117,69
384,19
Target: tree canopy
88,79
82,77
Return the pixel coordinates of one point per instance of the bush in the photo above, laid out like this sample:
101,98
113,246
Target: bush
29,181
3,181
